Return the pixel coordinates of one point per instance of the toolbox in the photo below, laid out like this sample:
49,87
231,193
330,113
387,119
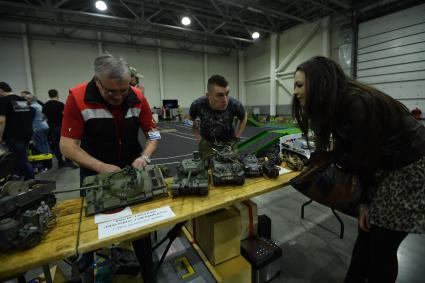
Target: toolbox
264,256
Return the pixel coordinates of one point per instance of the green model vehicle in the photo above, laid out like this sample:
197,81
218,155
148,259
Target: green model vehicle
191,178
226,168
108,191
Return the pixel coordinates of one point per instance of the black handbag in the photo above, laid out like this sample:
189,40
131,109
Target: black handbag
325,182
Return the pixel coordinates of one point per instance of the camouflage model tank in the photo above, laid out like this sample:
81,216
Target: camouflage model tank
107,191
19,196
271,162
251,166
191,178
293,161
226,168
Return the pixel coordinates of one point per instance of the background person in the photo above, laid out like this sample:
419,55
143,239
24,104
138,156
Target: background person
16,128
375,137
216,112
135,80
53,111
39,126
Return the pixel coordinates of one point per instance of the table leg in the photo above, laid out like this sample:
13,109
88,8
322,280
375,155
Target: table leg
47,275
143,249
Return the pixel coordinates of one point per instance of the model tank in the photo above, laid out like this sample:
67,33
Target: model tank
130,185
7,164
19,196
293,161
251,166
226,168
191,178
271,161
24,231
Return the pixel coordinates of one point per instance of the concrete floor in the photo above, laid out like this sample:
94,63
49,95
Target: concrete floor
312,249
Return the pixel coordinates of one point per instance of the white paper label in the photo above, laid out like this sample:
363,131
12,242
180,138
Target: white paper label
104,217
284,170
128,223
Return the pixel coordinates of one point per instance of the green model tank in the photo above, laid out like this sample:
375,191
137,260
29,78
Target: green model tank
191,178
107,191
226,168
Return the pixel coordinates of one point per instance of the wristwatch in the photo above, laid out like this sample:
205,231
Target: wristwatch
146,158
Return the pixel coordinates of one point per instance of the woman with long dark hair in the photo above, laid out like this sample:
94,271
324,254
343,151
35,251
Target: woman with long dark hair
375,137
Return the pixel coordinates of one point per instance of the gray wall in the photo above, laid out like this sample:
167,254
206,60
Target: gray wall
60,64
293,46
391,55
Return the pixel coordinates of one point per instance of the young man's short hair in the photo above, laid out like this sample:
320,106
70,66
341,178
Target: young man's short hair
53,93
26,92
216,80
5,87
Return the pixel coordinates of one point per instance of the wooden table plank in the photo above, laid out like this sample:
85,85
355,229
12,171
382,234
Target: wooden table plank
184,207
59,243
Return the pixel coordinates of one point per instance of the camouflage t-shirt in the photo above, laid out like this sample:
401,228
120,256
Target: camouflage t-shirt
216,125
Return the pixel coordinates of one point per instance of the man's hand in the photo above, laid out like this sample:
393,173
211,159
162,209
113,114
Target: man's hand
140,162
364,219
108,168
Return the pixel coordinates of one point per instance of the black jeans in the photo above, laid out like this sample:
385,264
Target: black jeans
374,258
55,133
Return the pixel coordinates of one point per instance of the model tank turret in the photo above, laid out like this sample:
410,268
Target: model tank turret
191,178
130,185
19,196
251,165
226,168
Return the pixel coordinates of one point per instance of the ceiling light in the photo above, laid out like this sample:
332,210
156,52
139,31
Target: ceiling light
101,5
255,35
186,21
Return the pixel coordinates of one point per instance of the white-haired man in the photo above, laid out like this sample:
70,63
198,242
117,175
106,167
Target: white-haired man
102,118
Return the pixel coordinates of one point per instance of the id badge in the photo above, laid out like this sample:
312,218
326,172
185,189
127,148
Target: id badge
154,135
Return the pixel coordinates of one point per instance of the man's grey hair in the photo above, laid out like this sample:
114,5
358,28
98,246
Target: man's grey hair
110,67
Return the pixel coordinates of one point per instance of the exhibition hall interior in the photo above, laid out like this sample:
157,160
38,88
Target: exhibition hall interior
182,141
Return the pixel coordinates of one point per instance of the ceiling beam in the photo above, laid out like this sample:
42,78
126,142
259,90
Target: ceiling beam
121,19
85,40
316,3
341,3
130,10
119,30
60,3
201,14
251,6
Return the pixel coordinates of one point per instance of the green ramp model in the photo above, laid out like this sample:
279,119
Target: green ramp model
262,141
272,124
252,122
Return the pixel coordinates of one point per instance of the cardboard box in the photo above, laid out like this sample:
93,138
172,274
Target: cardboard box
218,234
249,218
235,270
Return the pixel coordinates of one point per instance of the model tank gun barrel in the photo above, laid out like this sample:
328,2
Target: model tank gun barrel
82,188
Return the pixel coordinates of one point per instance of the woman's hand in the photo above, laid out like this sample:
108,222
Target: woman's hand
364,218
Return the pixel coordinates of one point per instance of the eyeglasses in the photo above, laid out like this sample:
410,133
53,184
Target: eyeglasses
112,91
